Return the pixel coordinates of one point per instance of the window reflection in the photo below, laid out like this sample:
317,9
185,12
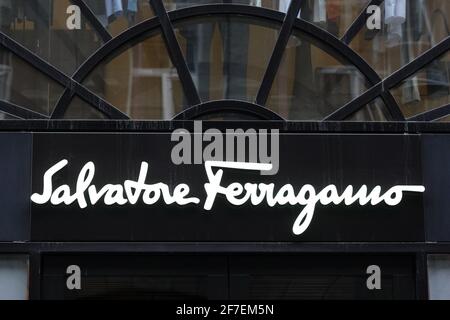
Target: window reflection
313,83
119,15
140,80
335,16
227,55
14,275
24,86
409,28
426,90
40,26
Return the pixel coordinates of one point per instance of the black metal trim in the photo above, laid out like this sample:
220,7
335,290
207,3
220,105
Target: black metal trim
359,23
278,52
242,107
311,127
19,112
93,20
59,77
432,115
175,53
34,60
393,80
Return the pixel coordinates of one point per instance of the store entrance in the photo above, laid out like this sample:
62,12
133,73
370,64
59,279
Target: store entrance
233,276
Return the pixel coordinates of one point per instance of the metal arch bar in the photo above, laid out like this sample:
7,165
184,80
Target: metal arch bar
175,53
432,115
356,104
34,60
278,52
328,40
359,23
393,80
98,103
19,112
262,13
59,77
93,20
100,55
418,63
238,106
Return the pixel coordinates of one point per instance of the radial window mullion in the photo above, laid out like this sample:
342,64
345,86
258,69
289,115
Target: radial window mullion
278,52
175,53
93,20
359,23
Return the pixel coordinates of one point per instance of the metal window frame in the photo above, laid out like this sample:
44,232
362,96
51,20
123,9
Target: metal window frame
163,20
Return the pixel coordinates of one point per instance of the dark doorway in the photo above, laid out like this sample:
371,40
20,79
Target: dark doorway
213,276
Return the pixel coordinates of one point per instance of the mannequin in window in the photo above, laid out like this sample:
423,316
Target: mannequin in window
235,41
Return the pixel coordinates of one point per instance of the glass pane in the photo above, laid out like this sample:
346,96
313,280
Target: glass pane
140,80
415,27
335,16
426,90
41,26
312,83
22,85
279,5
80,110
117,16
439,277
373,112
227,55
13,277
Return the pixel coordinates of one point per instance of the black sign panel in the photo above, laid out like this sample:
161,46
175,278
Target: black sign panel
317,160
15,178
435,158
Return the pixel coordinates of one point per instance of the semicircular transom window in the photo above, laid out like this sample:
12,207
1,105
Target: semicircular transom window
246,59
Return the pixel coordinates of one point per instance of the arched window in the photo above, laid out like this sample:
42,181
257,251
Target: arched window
233,59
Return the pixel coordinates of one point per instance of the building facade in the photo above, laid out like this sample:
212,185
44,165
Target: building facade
120,177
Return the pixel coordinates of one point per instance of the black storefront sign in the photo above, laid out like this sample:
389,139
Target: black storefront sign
317,159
